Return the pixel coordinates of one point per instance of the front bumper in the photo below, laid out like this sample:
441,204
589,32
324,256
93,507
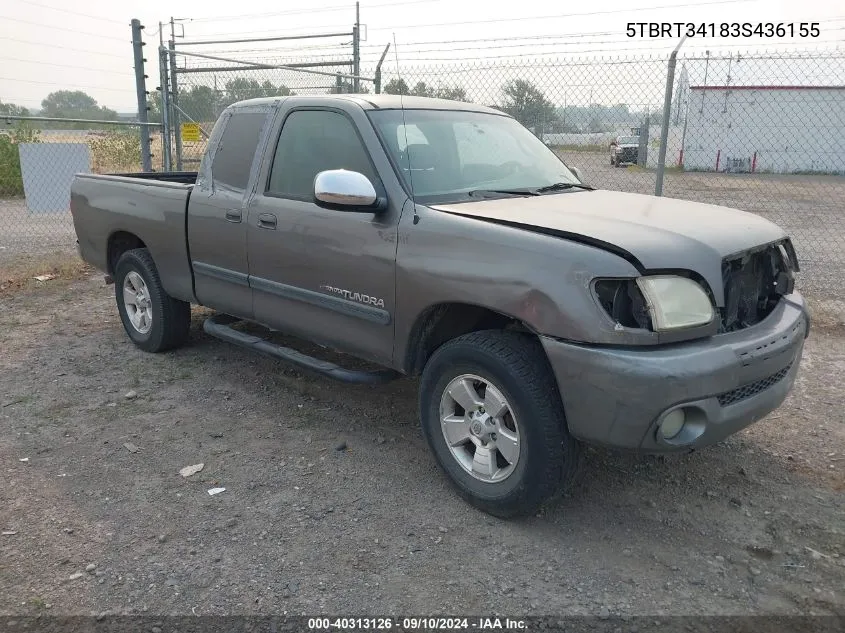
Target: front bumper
627,155
618,397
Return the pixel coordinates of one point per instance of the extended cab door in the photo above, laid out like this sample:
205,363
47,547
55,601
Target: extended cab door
324,274
217,226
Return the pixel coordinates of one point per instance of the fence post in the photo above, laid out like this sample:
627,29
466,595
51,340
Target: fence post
642,149
141,89
378,68
164,91
174,96
356,50
667,105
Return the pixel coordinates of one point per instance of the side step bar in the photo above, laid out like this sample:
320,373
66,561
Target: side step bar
218,327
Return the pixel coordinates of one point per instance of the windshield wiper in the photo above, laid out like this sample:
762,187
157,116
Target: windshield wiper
506,192
560,186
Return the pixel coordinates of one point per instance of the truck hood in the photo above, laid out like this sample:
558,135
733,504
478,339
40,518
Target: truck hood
653,233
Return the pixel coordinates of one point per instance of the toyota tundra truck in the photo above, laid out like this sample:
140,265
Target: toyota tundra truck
443,240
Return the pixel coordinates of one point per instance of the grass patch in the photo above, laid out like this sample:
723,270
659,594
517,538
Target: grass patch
19,274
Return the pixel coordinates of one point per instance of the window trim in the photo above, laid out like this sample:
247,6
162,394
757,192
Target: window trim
267,193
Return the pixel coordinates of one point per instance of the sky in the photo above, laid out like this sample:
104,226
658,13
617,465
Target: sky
45,46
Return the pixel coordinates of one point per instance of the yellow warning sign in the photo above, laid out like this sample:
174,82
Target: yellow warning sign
191,132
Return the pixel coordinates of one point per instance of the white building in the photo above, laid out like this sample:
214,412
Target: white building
777,129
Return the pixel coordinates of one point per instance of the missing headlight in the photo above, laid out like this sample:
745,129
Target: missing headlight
623,302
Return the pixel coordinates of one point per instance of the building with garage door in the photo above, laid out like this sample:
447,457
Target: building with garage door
774,129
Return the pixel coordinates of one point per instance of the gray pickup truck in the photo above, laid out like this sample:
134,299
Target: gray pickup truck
443,239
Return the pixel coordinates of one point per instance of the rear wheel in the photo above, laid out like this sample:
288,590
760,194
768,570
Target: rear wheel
154,320
492,415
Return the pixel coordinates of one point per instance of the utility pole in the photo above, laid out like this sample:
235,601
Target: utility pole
141,90
164,91
174,98
356,49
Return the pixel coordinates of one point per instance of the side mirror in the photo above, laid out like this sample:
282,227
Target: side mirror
577,173
345,188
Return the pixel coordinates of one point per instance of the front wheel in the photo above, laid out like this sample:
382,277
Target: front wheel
492,415
153,319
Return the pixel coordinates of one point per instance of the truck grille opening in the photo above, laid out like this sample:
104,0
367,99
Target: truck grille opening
628,155
752,389
753,284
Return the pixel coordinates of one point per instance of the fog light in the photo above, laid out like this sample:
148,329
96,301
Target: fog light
673,423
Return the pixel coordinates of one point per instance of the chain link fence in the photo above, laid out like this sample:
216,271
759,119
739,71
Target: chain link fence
37,162
760,132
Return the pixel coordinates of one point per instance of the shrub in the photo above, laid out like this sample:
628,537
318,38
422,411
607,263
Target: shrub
11,181
116,151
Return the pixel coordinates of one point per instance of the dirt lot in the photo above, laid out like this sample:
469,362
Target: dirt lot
754,525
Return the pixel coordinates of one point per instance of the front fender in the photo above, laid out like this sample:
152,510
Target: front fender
542,280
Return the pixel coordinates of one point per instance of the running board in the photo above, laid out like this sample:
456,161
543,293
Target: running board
218,327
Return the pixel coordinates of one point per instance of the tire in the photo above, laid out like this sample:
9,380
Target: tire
169,319
516,367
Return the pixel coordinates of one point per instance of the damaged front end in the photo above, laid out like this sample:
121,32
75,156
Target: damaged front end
754,282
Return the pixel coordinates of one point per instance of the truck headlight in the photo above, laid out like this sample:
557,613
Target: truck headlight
675,302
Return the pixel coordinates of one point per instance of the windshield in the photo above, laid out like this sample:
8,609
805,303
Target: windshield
629,140
450,153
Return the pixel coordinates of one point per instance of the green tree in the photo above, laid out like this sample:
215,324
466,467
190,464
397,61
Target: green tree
422,89
241,89
275,91
199,103
455,94
154,107
347,87
13,110
528,105
396,87
75,104
11,182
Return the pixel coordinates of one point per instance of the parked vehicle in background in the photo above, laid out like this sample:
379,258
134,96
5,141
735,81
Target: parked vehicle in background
624,150
443,239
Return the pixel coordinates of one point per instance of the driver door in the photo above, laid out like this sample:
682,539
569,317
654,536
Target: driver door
324,274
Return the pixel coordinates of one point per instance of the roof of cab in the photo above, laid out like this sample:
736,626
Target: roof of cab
379,102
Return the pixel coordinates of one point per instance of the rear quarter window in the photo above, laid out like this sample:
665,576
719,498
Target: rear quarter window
236,151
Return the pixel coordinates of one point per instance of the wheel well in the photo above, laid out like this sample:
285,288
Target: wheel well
446,321
119,243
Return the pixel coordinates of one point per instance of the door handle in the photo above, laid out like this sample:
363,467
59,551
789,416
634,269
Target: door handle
267,221
233,215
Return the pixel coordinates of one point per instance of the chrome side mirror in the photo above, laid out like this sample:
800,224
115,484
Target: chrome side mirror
577,173
344,188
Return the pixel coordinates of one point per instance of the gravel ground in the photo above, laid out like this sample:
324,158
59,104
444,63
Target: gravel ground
333,503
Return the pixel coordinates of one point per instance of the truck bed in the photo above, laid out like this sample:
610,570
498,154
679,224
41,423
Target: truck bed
180,177
151,206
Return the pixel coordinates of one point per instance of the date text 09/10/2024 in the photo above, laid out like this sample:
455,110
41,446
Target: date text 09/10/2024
416,624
